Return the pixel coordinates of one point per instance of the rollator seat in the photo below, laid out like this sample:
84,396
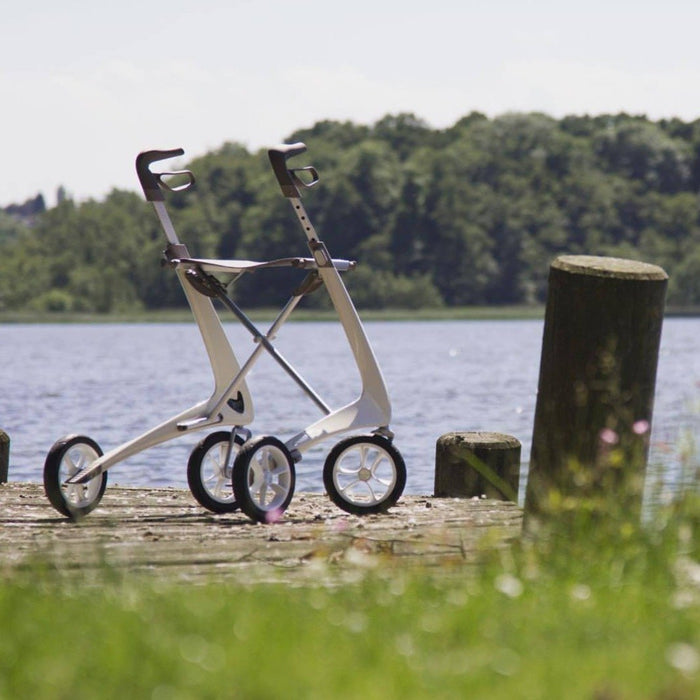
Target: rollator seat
239,266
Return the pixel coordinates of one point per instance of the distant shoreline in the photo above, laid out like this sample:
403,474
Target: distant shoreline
183,315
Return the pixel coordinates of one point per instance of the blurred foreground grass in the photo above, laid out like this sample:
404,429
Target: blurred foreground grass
606,610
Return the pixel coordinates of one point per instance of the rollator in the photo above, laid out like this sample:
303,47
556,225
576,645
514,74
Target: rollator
230,468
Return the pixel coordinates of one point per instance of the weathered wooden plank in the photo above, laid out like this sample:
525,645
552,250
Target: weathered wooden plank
166,531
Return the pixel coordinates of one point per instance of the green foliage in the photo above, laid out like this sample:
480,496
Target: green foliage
684,286
10,228
382,289
472,214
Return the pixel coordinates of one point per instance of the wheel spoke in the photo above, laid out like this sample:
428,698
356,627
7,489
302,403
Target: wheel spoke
349,486
220,490
278,469
72,467
377,461
258,474
279,492
78,494
364,450
373,495
342,469
222,464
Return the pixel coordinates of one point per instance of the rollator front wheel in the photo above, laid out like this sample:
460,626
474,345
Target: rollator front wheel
364,474
209,472
264,478
67,457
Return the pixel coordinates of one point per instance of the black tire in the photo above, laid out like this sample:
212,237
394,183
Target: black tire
207,474
364,474
66,457
264,478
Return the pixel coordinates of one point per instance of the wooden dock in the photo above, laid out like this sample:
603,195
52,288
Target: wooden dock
164,531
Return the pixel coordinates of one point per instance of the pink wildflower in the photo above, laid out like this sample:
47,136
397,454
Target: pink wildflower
609,437
341,525
641,427
273,516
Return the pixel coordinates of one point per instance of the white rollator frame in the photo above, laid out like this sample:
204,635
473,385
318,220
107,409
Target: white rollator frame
229,469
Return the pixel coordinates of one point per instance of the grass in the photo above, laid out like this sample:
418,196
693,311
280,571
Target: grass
607,610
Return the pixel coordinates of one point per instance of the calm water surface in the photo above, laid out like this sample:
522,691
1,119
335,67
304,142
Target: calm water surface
113,381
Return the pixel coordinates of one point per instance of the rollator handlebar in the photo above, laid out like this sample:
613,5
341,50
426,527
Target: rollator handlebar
151,182
288,179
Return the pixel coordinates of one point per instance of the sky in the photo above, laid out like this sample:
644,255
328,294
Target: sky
86,85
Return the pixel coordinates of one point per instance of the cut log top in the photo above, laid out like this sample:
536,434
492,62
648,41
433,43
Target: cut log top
596,266
481,439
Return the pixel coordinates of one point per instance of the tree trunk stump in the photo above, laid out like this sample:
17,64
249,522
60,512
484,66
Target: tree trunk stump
470,464
597,378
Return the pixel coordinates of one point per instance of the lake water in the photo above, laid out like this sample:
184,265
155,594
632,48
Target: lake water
113,381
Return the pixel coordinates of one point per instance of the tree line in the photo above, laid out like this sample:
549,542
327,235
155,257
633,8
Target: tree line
472,214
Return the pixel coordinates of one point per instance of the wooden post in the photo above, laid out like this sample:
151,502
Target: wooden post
476,464
4,456
595,397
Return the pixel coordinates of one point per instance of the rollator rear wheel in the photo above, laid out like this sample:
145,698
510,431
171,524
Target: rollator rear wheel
364,474
66,457
264,478
209,474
